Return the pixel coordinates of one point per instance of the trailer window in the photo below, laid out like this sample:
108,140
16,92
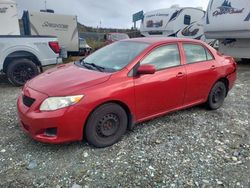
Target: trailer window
187,19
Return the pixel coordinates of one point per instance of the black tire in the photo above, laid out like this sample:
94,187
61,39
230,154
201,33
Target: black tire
20,71
244,60
106,125
216,96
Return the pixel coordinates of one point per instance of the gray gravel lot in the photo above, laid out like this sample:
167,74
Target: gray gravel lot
189,148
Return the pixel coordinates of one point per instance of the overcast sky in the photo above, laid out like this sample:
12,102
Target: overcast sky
111,13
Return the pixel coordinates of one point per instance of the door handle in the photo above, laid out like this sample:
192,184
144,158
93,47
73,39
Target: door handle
180,74
213,67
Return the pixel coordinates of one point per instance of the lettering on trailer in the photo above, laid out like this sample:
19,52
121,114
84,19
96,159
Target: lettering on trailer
155,23
3,10
55,25
226,8
151,23
190,30
158,14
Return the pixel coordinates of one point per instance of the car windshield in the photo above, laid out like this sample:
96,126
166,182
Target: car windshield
119,36
116,56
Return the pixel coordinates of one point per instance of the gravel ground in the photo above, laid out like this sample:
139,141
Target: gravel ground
189,148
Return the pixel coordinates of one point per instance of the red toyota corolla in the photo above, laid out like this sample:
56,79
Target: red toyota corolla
127,82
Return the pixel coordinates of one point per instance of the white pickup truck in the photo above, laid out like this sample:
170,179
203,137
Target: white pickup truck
22,58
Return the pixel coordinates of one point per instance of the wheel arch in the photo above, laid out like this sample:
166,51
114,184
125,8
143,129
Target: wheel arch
19,55
226,82
130,116
222,79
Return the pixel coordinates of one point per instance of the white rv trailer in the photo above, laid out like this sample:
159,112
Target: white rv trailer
229,22
179,22
8,18
64,27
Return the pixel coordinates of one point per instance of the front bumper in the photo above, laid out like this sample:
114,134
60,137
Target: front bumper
68,122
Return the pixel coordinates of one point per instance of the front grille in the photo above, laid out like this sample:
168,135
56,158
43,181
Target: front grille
28,101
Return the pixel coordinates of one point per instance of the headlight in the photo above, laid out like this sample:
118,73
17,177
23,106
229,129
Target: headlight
54,103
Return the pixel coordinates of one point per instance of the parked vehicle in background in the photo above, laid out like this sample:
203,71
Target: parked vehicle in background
86,49
124,83
9,24
229,22
113,37
180,22
64,27
22,58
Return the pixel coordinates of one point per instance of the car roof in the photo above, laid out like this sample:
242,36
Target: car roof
152,40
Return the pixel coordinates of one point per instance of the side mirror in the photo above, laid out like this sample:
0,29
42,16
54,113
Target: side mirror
146,69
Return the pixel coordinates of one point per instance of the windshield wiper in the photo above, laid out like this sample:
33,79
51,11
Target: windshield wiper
97,67
100,68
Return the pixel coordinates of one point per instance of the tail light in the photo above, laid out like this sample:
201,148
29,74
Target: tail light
231,60
55,47
235,64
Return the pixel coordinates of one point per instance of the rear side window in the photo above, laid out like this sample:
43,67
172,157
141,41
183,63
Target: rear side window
163,57
196,53
187,19
209,56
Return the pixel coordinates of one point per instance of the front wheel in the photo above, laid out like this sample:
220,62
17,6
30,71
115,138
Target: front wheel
21,70
106,125
216,96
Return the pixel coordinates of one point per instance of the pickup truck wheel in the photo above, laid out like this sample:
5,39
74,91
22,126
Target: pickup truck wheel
106,125
21,70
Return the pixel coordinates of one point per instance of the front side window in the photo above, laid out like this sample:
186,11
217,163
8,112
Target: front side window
209,56
163,57
196,53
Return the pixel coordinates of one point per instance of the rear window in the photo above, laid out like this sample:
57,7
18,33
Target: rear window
196,53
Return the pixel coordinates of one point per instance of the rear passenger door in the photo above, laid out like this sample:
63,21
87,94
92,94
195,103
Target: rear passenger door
201,72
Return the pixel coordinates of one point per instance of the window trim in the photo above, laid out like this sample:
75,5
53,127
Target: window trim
159,46
205,48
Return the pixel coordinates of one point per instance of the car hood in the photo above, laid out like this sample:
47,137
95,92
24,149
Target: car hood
66,79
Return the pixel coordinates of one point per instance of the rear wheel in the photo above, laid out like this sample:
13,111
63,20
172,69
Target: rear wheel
21,70
216,96
106,125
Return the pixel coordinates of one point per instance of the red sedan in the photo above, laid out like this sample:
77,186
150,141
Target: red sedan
124,83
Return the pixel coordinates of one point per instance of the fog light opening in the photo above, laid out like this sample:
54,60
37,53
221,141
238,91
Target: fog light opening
50,132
